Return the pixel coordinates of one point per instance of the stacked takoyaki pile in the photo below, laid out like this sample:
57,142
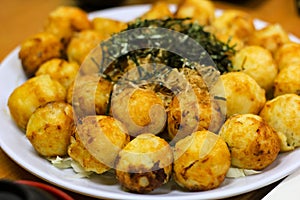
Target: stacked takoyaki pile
187,128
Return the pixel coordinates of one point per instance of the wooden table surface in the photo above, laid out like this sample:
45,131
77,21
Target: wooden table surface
20,19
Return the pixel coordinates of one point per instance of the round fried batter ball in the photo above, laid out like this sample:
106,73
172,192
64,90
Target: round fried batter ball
89,95
97,142
283,114
193,111
33,93
270,37
201,161
144,164
287,80
158,10
107,26
288,54
60,70
50,127
194,108
77,17
258,63
202,12
82,156
141,110
82,43
65,20
38,49
234,23
252,142
243,94
60,28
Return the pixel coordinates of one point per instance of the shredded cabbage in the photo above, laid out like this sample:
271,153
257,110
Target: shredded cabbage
64,163
237,172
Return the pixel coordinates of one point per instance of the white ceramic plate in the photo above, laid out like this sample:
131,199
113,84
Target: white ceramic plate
16,145
287,189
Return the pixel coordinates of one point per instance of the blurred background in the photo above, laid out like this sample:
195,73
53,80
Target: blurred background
96,4
20,19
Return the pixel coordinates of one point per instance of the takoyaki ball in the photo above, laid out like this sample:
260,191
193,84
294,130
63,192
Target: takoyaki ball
202,12
283,114
243,94
106,26
89,95
36,91
252,142
193,111
258,63
82,156
65,20
288,54
271,37
234,23
193,108
287,80
158,10
60,70
103,137
87,156
82,43
50,127
144,164
201,161
94,63
77,17
60,28
140,110
38,49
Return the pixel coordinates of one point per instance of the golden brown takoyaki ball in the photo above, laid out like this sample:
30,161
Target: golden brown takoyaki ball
234,23
82,43
50,127
193,108
201,161
101,138
158,10
287,80
38,49
252,142
82,156
106,26
271,37
93,62
77,17
258,63
89,95
64,21
33,93
60,28
192,111
144,164
202,12
283,114
140,110
243,94
288,54
60,70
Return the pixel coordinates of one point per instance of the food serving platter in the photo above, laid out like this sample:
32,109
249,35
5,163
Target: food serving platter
15,144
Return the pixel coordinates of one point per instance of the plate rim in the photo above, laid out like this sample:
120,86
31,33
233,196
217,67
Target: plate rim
90,192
